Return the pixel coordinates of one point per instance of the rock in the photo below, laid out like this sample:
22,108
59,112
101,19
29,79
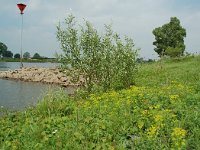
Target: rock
44,75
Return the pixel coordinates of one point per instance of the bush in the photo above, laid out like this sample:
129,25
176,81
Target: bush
106,61
174,52
17,55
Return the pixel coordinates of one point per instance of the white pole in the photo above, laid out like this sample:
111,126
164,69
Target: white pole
21,41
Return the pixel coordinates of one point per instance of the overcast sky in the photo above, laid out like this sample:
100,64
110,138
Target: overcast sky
135,18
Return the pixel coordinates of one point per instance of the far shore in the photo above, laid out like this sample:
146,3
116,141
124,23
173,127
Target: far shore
30,60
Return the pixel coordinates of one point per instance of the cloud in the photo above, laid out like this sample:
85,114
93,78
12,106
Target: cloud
134,18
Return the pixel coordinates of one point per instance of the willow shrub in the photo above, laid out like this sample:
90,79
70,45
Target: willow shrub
105,61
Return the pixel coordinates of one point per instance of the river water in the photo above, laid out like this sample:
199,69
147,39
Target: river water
16,95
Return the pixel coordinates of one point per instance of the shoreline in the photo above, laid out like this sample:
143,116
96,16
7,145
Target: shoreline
41,75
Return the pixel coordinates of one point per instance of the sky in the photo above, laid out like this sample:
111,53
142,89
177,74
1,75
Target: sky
133,18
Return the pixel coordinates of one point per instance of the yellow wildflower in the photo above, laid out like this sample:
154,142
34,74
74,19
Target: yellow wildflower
173,97
152,131
144,112
178,136
140,124
158,118
178,132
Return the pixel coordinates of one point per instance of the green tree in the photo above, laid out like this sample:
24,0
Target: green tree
17,55
105,61
36,56
174,51
3,48
7,54
169,39
26,55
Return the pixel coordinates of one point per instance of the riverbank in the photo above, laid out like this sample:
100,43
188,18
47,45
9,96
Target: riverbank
42,75
161,112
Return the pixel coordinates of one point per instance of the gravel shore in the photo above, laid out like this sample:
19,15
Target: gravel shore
43,75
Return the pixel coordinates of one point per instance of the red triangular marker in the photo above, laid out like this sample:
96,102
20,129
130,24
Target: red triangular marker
21,7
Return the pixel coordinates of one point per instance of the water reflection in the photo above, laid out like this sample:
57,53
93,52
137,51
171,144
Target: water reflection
3,66
16,65
17,94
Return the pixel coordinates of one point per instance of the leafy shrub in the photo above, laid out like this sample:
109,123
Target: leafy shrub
106,61
174,52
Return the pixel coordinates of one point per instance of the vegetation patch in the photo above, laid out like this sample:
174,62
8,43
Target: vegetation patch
106,61
136,118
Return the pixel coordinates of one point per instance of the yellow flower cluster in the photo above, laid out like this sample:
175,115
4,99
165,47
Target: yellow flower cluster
173,97
158,118
178,132
152,131
178,138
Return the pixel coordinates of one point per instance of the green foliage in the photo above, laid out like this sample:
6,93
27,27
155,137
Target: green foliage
36,56
170,37
106,61
174,52
17,55
27,55
185,70
4,52
7,54
161,112
165,117
3,48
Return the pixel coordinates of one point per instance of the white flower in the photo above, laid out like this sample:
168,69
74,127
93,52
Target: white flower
54,132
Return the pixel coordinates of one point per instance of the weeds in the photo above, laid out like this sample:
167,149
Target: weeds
136,118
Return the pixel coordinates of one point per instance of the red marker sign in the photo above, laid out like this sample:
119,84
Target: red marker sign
21,7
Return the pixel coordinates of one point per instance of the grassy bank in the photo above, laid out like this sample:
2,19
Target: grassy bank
184,70
160,112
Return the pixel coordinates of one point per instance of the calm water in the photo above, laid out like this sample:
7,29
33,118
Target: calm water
16,65
17,94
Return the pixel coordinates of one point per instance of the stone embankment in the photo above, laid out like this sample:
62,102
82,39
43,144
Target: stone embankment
43,75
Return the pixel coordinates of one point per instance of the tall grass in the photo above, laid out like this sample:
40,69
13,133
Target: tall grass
185,70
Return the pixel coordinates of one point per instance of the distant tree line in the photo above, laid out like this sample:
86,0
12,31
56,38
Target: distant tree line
5,53
142,60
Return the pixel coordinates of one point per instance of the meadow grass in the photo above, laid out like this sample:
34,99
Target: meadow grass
160,112
184,70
